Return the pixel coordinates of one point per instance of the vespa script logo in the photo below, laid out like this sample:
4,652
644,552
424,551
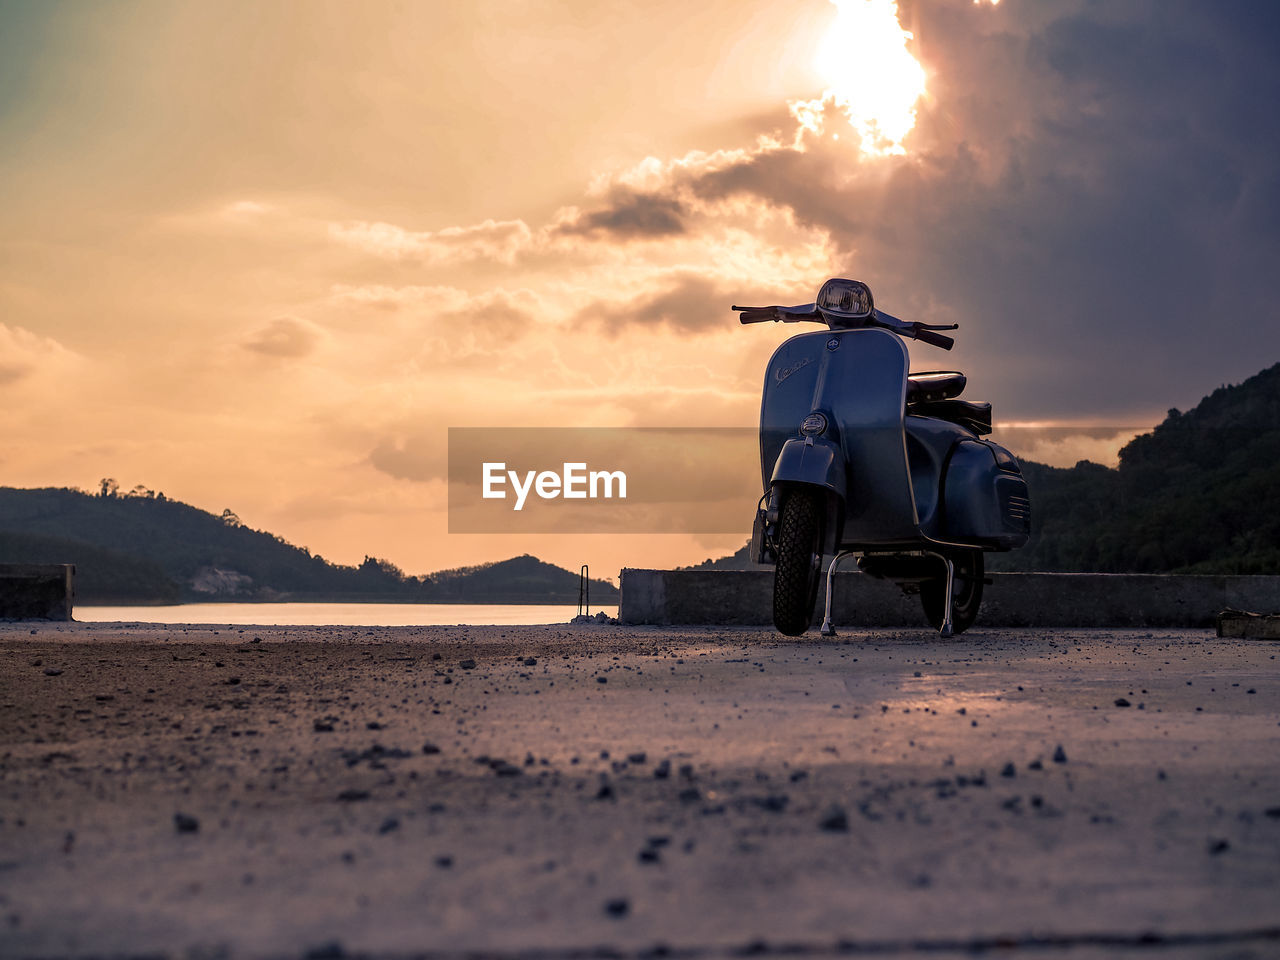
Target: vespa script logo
788,371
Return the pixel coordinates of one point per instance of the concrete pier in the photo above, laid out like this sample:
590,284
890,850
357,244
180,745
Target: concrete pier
1010,600
37,591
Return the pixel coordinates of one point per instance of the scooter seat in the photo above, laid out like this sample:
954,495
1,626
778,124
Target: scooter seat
934,385
973,414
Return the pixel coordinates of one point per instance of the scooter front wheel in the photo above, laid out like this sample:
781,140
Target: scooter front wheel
799,566
966,592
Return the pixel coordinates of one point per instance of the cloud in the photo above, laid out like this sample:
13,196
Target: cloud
500,241
419,457
387,297
24,354
286,337
686,301
627,216
244,209
1084,205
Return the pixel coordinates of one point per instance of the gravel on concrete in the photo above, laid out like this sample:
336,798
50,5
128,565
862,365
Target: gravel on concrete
473,791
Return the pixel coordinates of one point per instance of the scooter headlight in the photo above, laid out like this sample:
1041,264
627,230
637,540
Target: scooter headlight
846,299
813,425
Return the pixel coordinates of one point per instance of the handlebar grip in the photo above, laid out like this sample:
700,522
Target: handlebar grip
936,339
761,315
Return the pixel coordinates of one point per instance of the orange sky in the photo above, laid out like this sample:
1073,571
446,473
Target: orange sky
263,256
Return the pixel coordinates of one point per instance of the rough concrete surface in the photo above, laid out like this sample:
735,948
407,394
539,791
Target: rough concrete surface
626,791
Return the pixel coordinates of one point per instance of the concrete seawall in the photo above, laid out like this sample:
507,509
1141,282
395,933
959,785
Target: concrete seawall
37,591
1010,600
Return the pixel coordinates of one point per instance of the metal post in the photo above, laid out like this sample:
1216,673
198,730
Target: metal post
584,590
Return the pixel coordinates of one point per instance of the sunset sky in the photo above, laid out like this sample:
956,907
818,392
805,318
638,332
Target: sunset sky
262,255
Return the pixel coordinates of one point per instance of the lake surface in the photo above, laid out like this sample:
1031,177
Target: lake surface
340,614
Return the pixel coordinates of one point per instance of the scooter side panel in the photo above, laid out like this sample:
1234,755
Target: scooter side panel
929,445
984,503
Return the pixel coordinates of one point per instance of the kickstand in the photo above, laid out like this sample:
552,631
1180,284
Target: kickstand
828,628
946,629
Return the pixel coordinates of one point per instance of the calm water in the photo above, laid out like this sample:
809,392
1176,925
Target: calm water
340,614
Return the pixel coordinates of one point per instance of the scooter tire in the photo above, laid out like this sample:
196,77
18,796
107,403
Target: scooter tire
799,565
966,592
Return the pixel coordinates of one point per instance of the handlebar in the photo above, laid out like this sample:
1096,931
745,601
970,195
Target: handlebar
808,311
936,339
923,332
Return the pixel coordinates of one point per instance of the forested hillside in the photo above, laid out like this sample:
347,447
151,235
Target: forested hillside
143,547
1199,494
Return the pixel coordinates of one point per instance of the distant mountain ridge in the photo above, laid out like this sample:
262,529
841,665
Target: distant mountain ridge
144,548
1198,494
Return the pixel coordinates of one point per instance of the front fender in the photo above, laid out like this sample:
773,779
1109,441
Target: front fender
819,463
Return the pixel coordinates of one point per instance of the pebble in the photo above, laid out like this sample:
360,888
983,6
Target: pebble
1059,755
1121,702
185,823
351,796
1008,770
835,820
618,908
326,951
468,664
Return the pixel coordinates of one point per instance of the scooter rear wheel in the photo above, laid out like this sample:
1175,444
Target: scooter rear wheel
966,592
799,566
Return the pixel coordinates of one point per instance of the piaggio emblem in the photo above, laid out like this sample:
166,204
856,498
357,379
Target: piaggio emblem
833,343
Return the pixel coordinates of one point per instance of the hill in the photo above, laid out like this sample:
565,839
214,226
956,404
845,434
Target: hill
144,548
1198,494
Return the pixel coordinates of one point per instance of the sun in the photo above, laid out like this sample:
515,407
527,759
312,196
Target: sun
871,75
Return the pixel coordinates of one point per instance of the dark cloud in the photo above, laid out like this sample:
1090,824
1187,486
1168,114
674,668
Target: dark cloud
284,337
1094,196
13,371
419,458
629,215
687,302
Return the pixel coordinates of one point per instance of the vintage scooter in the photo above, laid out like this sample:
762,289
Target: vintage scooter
861,458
